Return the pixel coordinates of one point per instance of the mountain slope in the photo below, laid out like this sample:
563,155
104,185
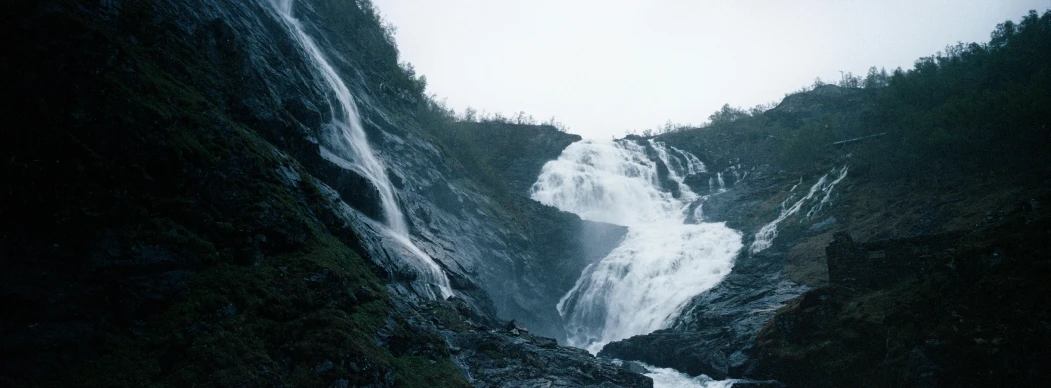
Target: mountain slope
170,220
948,147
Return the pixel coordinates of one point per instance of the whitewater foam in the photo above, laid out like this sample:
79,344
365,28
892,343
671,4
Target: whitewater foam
643,284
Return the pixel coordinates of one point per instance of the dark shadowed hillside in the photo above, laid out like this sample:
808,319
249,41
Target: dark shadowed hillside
170,220
177,211
957,145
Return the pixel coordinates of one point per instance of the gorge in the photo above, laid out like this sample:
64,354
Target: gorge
259,193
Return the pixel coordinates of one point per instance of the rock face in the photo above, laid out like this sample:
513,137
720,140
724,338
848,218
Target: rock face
499,358
967,316
715,332
910,228
171,218
503,248
799,108
714,335
504,243
510,356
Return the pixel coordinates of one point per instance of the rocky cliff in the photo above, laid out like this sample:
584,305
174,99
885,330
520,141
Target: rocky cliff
905,219
171,218
958,309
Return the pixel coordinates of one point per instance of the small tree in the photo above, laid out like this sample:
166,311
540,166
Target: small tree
876,78
470,115
555,123
522,118
849,80
727,114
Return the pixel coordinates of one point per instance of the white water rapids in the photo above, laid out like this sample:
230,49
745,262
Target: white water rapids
662,262
671,378
344,143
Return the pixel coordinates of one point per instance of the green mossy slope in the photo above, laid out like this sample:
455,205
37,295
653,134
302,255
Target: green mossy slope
150,239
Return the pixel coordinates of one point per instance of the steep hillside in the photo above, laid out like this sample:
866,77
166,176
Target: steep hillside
171,218
187,203
957,144
967,310
150,237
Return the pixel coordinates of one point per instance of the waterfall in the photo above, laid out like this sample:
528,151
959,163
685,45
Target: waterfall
661,263
344,142
764,238
680,163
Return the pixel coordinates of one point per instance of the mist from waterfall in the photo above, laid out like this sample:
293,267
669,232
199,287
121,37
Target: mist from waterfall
344,142
661,263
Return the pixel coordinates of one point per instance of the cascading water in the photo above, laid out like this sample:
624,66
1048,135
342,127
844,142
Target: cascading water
642,285
764,238
344,143
671,378
680,164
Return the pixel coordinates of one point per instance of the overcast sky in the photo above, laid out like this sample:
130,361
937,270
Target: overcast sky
604,67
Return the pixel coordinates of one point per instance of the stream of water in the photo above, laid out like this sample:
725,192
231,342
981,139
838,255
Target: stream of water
764,238
661,263
344,142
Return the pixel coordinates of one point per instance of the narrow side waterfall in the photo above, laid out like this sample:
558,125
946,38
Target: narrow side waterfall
764,238
643,284
344,143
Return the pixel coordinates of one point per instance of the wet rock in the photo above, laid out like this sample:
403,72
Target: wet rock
665,348
699,182
515,329
714,333
823,226
305,112
500,359
117,229
358,192
636,367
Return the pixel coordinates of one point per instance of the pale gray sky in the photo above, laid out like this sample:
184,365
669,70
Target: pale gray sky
604,67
